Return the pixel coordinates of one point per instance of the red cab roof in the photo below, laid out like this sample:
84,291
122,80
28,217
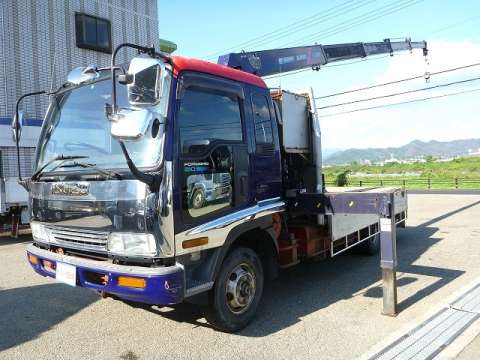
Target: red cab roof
182,63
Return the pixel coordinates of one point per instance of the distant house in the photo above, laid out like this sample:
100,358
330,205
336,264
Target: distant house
472,152
392,160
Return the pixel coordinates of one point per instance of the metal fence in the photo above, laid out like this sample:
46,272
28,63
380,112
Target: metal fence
414,183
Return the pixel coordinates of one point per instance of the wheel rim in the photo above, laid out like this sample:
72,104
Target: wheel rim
240,288
197,199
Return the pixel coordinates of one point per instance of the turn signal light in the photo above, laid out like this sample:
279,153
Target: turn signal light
187,244
33,259
132,282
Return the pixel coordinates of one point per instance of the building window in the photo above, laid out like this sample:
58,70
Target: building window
93,33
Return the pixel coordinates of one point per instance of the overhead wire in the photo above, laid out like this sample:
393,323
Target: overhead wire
324,18
399,93
451,26
356,21
400,103
399,80
333,30
323,15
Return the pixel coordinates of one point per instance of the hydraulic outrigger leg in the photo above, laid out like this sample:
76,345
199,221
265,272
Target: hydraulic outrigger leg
388,262
381,203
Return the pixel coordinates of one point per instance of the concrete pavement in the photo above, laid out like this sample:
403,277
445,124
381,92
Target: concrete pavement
318,310
472,351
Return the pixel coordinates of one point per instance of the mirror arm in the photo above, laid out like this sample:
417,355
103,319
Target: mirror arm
152,181
17,126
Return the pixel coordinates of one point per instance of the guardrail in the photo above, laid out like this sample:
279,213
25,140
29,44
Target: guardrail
413,183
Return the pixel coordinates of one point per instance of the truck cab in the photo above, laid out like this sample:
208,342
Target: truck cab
213,129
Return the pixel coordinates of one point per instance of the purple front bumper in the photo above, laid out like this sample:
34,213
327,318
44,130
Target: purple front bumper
164,285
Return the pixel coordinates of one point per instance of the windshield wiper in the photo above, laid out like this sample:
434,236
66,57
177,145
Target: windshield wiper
106,173
36,175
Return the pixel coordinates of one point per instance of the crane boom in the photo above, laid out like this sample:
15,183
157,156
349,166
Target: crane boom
276,61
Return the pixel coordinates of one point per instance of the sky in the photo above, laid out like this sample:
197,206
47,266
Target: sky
205,29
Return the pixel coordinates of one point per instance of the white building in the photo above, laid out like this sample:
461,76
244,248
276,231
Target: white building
42,40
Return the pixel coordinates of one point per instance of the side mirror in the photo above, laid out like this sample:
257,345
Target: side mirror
143,81
81,75
17,127
131,124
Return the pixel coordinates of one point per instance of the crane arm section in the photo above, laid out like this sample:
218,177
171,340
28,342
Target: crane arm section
276,61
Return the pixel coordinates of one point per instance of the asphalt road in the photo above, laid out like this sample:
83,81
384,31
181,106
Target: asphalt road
318,310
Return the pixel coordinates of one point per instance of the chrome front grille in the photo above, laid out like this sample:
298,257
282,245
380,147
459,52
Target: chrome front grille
80,239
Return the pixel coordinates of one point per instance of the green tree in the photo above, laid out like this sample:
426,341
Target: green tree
342,178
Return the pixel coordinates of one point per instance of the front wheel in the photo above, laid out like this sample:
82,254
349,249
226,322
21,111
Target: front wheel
198,199
237,291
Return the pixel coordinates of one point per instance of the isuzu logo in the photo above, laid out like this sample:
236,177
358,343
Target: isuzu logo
70,189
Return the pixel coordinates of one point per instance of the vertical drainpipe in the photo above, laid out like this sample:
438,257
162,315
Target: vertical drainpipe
316,148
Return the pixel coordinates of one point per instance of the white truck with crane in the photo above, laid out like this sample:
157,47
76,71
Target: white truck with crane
122,148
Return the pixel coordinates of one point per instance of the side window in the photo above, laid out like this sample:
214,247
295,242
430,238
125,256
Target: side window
263,125
206,117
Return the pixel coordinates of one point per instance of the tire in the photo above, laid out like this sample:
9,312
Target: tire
242,271
198,199
371,246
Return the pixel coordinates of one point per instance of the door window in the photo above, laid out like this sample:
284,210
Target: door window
263,125
208,117
209,122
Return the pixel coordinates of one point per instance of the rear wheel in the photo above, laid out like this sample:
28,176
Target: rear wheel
371,246
237,291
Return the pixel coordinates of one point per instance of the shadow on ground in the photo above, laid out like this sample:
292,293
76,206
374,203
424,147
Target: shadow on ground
6,240
312,285
26,313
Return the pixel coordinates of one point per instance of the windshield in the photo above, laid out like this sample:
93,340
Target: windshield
76,125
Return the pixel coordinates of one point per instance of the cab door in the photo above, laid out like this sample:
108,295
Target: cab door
212,161
266,157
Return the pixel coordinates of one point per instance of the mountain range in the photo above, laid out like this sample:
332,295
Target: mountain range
414,149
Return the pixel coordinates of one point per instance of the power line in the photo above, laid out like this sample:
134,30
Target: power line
308,21
364,18
399,93
400,80
357,21
297,29
360,20
451,26
401,103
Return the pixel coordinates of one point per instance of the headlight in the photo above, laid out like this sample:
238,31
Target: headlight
131,244
39,232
